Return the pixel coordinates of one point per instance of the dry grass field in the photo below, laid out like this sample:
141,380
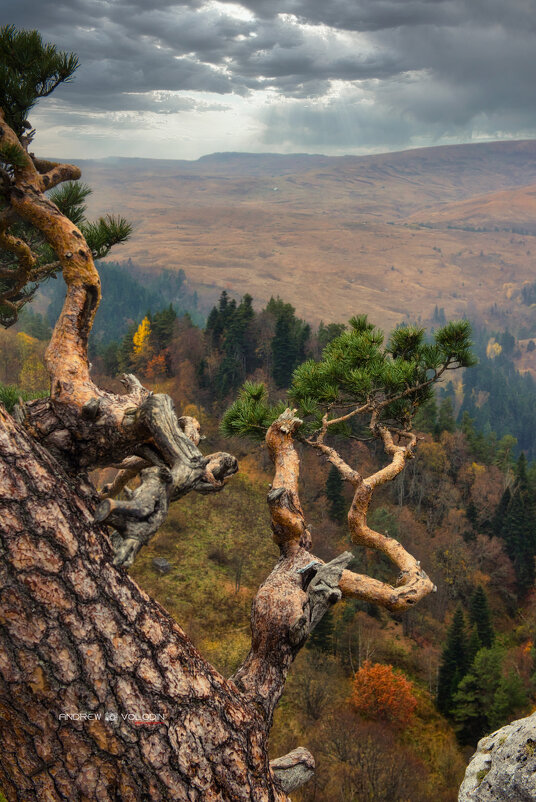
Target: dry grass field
387,234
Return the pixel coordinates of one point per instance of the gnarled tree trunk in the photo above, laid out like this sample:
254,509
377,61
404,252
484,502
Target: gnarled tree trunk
102,695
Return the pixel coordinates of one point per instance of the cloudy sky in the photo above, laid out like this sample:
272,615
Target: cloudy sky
159,78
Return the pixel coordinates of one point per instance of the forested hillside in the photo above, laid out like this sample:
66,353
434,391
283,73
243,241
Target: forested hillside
418,689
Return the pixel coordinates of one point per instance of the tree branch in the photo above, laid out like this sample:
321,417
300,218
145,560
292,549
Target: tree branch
288,523
413,583
300,588
66,356
178,467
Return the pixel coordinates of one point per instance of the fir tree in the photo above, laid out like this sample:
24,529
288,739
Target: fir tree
519,530
499,518
473,646
162,324
473,700
445,418
426,417
288,344
509,698
321,637
480,616
454,663
283,351
237,347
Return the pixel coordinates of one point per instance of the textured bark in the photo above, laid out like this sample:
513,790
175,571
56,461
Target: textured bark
77,636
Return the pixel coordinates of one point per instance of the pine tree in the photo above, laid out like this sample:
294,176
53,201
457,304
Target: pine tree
480,616
519,530
445,417
321,637
454,663
334,495
499,517
426,417
473,700
509,698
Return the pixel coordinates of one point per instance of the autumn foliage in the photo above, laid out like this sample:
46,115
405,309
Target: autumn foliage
383,694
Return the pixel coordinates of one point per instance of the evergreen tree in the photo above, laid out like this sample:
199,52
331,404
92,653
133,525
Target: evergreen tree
473,646
162,324
334,495
445,418
454,663
228,333
288,344
480,616
504,454
509,698
34,324
519,530
322,636
124,352
473,700
499,518
328,333
110,359
283,351
426,417
471,514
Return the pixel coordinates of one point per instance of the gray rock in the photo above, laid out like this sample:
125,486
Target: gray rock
162,565
503,766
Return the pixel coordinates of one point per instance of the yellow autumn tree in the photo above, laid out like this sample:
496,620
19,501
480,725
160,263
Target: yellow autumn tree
141,337
142,350
493,348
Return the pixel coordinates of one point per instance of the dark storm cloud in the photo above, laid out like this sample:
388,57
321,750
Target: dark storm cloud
392,70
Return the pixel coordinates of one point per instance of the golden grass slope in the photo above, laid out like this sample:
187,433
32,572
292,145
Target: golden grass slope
338,236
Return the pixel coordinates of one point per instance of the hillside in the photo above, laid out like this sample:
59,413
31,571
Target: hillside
510,210
380,234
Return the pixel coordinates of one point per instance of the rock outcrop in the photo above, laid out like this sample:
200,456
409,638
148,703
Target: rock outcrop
503,766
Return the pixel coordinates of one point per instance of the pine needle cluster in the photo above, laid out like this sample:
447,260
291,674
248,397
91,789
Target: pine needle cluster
29,70
357,369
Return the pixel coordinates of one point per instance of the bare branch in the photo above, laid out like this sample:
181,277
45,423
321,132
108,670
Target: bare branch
413,583
288,523
335,458
177,468
300,588
66,355
398,454
54,173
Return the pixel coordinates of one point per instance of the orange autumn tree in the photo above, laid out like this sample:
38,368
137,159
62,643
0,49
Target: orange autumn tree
381,693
